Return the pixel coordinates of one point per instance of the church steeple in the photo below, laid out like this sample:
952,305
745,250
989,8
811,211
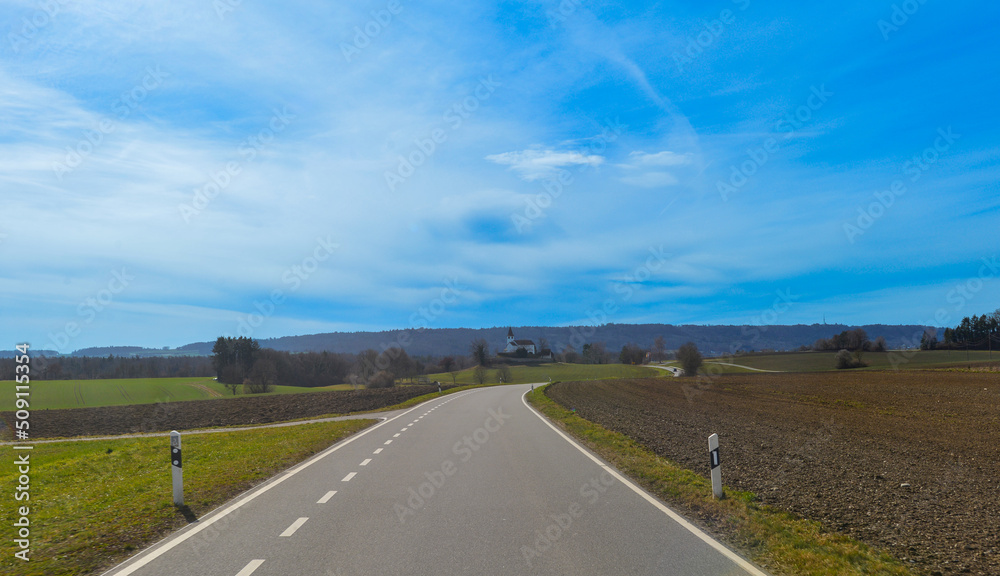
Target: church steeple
510,335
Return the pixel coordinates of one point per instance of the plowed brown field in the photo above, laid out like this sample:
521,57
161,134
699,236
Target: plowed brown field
907,461
114,420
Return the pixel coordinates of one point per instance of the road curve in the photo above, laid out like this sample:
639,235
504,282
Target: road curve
473,483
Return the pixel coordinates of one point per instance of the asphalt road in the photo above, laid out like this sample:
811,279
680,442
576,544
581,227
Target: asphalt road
473,483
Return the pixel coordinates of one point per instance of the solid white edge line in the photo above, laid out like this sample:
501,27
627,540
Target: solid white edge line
249,568
170,542
295,526
718,546
326,497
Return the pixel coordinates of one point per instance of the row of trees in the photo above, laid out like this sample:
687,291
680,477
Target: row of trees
974,333
109,367
591,353
242,362
234,359
852,341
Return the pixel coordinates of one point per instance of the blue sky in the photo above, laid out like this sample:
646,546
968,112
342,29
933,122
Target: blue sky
176,171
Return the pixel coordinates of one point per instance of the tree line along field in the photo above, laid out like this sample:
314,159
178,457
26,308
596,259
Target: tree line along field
907,461
57,394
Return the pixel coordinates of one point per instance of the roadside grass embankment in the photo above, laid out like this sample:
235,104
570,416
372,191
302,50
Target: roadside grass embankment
92,504
775,540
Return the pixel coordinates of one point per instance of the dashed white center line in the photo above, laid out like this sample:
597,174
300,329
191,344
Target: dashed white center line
404,429
387,442
349,476
249,568
377,451
326,497
366,461
295,526
396,435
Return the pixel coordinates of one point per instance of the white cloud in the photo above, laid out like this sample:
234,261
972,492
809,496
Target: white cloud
535,164
664,158
645,170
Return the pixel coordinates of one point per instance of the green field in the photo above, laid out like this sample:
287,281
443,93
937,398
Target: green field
54,394
94,503
822,361
553,372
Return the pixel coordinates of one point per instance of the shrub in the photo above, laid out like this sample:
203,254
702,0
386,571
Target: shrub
846,360
381,379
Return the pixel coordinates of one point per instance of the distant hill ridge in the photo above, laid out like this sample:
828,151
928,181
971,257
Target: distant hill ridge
713,340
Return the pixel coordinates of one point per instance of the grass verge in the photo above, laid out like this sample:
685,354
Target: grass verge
775,540
92,504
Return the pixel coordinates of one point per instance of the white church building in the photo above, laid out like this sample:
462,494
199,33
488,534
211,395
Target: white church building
514,345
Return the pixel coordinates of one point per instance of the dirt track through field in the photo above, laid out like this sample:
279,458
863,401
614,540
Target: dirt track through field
907,461
211,393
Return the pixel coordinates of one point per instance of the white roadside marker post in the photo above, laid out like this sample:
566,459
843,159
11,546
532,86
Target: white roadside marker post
175,467
713,452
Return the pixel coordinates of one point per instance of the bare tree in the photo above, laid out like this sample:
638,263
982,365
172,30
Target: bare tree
480,375
367,364
658,353
503,373
690,358
261,378
632,354
570,355
596,353
480,352
447,363
400,364
879,345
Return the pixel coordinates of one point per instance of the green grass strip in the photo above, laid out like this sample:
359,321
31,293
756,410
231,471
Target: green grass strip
775,540
95,503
